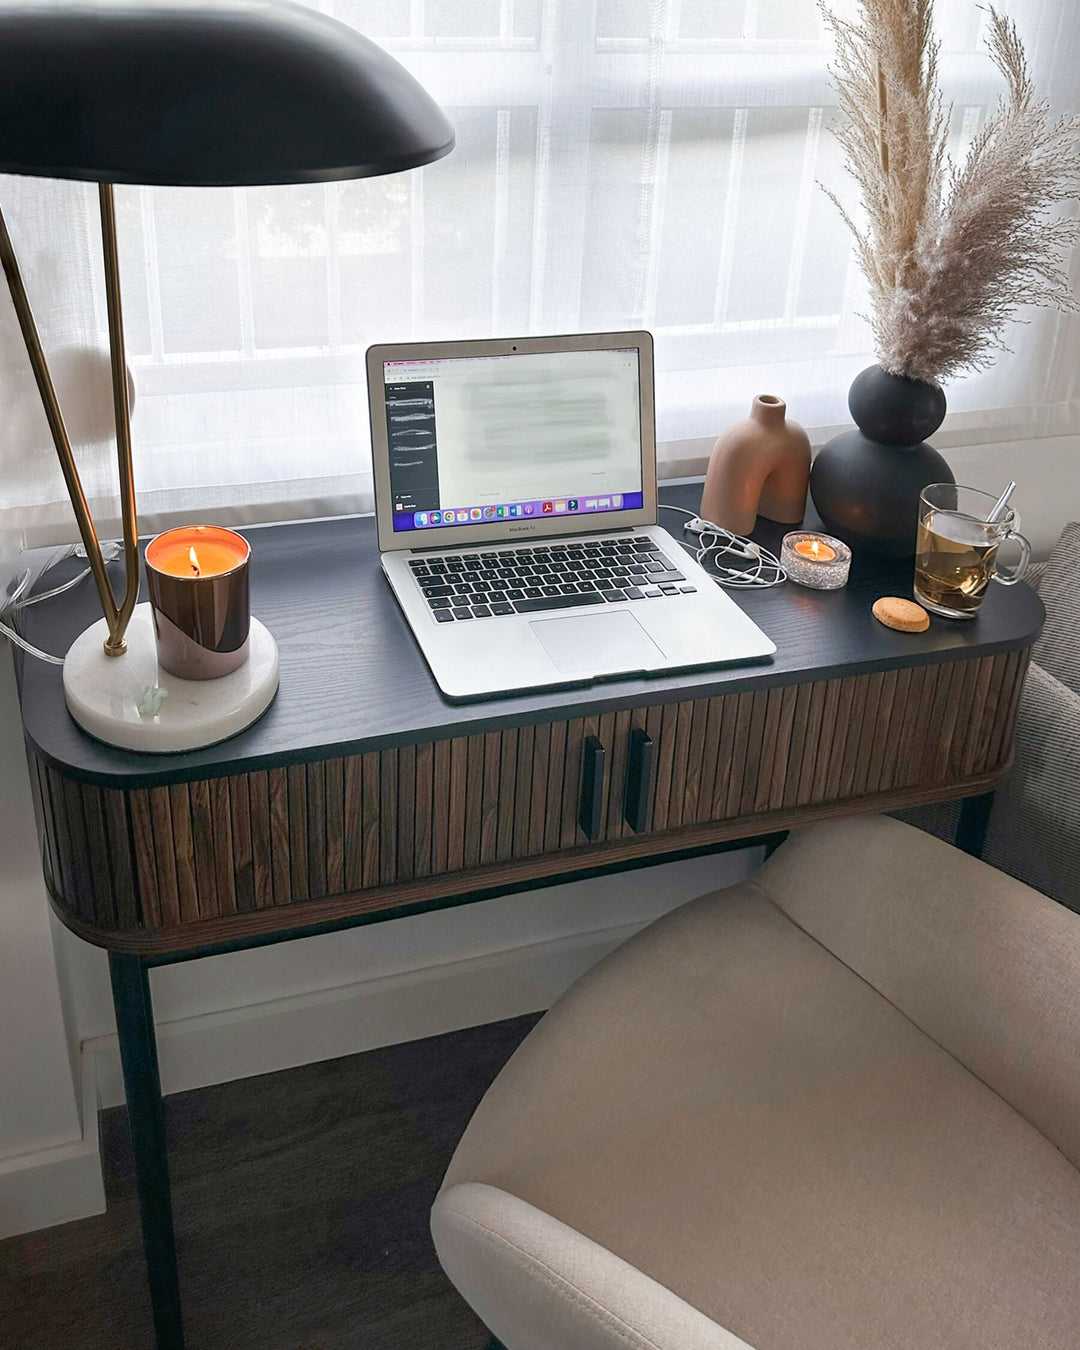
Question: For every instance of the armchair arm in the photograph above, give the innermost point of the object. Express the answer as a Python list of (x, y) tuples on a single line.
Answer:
[(537, 1283), (985, 966)]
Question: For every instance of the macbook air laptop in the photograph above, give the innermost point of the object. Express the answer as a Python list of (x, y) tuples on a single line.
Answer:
[(516, 499)]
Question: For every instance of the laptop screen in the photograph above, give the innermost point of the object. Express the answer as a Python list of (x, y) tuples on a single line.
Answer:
[(476, 440)]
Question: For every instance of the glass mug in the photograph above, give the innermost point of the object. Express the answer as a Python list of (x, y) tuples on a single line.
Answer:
[(956, 552)]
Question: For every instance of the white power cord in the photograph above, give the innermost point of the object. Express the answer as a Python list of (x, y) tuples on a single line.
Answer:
[(714, 543), (14, 605), (12, 636)]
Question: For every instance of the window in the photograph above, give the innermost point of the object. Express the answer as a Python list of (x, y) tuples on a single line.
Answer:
[(620, 163)]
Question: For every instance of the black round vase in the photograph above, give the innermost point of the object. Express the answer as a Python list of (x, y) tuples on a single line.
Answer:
[(866, 483)]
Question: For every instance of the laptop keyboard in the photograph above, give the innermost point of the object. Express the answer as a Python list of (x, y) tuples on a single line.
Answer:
[(460, 586)]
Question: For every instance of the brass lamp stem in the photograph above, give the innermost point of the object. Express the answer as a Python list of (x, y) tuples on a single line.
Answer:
[(129, 522), (116, 615)]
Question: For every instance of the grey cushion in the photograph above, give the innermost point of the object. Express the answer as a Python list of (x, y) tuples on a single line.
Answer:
[(1035, 826), (1034, 831), (1058, 649)]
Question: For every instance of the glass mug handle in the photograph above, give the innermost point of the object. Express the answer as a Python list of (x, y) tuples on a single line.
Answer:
[(1017, 573)]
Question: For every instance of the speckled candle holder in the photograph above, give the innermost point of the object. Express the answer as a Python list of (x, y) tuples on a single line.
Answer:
[(818, 574)]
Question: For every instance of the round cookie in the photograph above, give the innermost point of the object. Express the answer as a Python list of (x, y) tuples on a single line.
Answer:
[(904, 615)]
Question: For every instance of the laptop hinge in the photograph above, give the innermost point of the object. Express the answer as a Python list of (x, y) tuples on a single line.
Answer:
[(546, 539)]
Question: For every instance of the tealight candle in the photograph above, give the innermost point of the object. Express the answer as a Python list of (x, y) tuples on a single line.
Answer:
[(198, 579), (815, 560), (816, 550)]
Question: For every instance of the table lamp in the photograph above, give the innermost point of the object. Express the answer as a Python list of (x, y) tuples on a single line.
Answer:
[(211, 93)]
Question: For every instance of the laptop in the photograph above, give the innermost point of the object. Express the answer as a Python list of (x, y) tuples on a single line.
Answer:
[(516, 501)]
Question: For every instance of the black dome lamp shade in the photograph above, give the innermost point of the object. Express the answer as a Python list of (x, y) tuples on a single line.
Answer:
[(207, 92), (188, 93)]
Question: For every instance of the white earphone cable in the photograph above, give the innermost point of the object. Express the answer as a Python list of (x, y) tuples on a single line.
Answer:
[(715, 543)]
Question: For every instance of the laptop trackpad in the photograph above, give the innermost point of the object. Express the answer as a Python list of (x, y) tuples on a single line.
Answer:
[(614, 641)]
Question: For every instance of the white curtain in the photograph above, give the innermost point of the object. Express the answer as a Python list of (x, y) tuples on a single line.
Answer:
[(620, 163)]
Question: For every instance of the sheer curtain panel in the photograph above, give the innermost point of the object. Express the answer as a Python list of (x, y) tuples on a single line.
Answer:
[(620, 163)]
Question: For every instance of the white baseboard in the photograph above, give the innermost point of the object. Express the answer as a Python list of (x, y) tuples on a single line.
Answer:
[(282, 1033), (57, 1184)]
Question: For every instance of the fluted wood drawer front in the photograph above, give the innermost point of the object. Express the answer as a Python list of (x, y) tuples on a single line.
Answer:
[(166, 858), (750, 754), (169, 856)]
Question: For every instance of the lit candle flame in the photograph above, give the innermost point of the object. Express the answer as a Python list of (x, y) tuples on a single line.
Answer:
[(194, 561), (815, 550)]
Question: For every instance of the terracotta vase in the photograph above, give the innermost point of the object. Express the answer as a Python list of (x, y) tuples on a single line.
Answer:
[(758, 467)]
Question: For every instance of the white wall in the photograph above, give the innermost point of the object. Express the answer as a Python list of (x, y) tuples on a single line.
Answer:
[(253, 1012), (1047, 474), (257, 1011), (48, 1171)]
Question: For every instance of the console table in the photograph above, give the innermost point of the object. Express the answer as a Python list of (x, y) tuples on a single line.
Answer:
[(363, 795)]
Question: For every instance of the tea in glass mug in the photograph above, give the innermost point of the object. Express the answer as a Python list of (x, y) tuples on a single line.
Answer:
[(957, 549)]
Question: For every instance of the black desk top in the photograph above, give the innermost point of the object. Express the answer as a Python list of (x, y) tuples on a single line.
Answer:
[(353, 678)]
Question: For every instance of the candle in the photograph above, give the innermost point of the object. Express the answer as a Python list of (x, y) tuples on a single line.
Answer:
[(815, 560), (198, 579), (815, 549), (198, 551)]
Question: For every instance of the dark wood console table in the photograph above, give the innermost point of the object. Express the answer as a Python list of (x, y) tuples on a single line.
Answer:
[(363, 795)]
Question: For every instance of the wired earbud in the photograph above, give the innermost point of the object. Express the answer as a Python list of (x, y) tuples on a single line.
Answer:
[(716, 543)]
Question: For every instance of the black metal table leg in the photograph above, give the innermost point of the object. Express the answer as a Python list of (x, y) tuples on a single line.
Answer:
[(774, 841), (973, 823), (146, 1120)]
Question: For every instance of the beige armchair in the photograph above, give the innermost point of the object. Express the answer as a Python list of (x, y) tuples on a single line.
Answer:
[(836, 1107)]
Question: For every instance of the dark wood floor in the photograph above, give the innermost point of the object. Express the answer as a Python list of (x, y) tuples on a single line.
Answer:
[(301, 1203)]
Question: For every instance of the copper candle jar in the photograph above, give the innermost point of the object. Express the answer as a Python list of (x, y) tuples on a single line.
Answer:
[(198, 581)]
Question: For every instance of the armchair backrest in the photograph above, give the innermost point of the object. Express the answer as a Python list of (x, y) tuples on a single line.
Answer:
[(984, 965)]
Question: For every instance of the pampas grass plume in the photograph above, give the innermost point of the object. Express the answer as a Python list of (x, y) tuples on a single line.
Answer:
[(950, 253)]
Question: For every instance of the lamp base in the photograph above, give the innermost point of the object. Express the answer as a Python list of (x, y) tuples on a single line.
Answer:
[(131, 702)]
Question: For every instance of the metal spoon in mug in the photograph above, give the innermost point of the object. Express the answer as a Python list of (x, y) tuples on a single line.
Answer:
[(998, 508)]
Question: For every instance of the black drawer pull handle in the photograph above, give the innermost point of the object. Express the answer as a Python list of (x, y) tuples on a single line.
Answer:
[(593, 766), (639, 780)]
